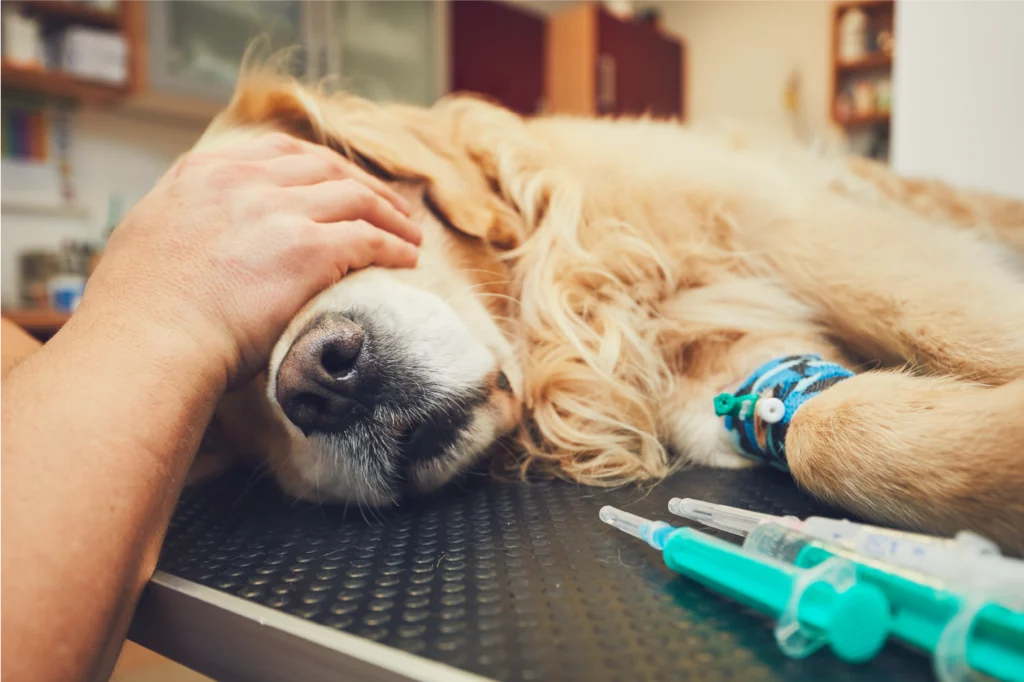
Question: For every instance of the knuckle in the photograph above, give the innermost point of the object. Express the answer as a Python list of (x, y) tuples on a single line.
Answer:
[(337, 164), (325, 154), (360, 198), (377, 241), (308, 235), (232, 173), (327, 166), (283, 142), (259, 204), (373, 236), (296, 240)]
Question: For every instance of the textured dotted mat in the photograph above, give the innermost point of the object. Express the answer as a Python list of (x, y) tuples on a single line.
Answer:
[(513, 582)]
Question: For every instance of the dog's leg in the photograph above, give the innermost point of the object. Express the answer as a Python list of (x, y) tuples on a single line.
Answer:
[(934, 453), (899, 288), (712, 338)]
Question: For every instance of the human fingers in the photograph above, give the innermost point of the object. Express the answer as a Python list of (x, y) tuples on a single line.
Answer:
[(357, 244), (346, 200), (293, 161), (318, 163)]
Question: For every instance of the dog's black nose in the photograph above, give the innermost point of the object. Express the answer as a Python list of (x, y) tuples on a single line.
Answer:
[(327, 373)]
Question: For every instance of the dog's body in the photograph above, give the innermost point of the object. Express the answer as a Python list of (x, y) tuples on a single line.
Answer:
[(587, 287)]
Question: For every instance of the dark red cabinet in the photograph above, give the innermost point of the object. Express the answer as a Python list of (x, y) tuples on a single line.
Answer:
[(498, 51), (600, 64)]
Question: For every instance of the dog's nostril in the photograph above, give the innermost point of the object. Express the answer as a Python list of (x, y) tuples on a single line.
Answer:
[(335, 362), (305, 407), (325, 374), (339, 354)]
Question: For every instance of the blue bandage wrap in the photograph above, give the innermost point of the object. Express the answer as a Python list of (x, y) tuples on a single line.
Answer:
[(794, 380)]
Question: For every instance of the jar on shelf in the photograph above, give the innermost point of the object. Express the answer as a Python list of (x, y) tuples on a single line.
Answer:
[(864, 98), (884, 42), (853, 27), (843, 106), (883, 95)]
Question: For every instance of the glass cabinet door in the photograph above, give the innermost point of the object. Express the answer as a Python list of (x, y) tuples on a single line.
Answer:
[(385, 50), (196, 48)]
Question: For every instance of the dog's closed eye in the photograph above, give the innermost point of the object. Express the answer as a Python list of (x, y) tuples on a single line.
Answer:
[(502, 382)]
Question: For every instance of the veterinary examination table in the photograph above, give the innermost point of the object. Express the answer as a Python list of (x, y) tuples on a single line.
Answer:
[(488, 579)]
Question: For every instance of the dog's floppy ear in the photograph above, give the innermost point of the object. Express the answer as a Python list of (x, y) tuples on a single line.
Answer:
[(392, 141)]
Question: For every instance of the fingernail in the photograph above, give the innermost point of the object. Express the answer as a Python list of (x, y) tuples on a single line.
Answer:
[(404, 206)]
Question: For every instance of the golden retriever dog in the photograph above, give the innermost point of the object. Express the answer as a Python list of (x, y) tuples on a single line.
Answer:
[(587, 287)]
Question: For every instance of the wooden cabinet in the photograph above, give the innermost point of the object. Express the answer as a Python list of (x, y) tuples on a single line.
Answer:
[(600, 64), (498, 51)]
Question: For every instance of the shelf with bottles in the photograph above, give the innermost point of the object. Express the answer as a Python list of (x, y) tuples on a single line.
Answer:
[(863, 101), (862, 58), (97, 14), (67, 49)]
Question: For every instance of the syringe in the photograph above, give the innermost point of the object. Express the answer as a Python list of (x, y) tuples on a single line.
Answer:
[(963, 629), (822, 605), (945, 558)]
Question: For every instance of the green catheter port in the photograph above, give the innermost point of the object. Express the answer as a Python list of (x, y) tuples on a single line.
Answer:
[(727, 404)]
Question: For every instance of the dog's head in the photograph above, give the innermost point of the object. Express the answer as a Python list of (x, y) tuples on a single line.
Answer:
[(390, 381)]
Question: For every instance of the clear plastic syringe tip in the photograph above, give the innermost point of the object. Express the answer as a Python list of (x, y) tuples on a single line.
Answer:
[(729, 519), (637, 526)]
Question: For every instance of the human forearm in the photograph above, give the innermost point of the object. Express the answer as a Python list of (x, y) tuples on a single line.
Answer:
[(100, 425), (15, 346), (81, 532)]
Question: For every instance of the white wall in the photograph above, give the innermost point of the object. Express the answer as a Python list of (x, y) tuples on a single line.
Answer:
[(111, 152), (958, 93), (740, 54)]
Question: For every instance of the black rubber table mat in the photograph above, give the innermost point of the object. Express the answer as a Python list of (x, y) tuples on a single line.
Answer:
[(510, 581)]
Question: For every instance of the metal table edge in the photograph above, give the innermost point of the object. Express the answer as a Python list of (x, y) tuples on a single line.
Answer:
[(229, 638)]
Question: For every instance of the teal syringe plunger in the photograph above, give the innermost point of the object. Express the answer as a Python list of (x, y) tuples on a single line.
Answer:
[(813, 607)]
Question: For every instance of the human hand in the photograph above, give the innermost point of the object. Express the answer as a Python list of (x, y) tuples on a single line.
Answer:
[(229, 245)]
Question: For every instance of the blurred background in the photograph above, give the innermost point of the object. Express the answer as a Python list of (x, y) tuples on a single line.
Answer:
[(100, 97)]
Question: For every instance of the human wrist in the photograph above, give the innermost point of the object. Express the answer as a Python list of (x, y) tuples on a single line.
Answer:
[(167, 344)]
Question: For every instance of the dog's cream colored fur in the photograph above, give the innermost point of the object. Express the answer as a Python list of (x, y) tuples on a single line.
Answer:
[(638, 268)]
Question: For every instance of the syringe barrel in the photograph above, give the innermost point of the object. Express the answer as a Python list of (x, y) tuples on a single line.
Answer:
[(927, 553), (724, 567), (905, 549), (776, 541), (852, 618)]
